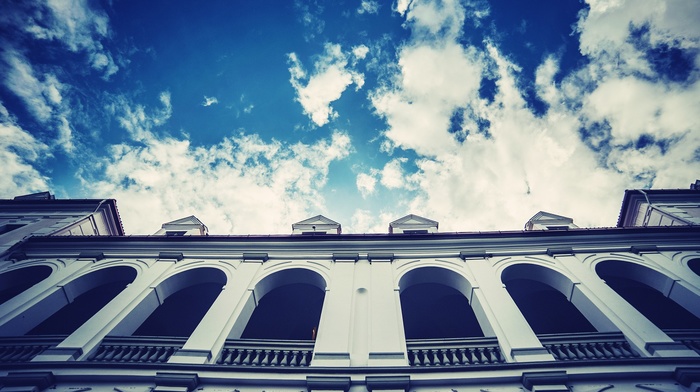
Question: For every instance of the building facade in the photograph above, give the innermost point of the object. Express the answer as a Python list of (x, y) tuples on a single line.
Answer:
[(551, 308)]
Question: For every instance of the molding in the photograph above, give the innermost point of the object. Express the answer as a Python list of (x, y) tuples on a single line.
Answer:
[(563, 251), (166, 381), (376, 256), (474, 255), (532, 380), (91, 255), (177, 256), (377, 383), (34, 380), (346, 257), (255, 257), (640, 249), (316, 383), (687, 375)]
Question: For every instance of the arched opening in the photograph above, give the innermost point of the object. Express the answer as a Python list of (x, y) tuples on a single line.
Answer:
[(434, 305), (694, 266), (186, 298), (288, 306), (91, 293), (539, 294), (652, 293), (19, 280)]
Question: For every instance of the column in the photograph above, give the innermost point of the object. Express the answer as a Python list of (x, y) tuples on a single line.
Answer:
[(387, 341), (87, 338), (28, 309), (517, 340), (641, 333), (225, 318), (332, 346)]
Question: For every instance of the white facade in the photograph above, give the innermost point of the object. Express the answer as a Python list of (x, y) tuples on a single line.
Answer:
[(580, 309)]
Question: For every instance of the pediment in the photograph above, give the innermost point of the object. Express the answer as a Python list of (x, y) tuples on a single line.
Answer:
[(318, 224), (413, 222), (544, 216), (190, 220)]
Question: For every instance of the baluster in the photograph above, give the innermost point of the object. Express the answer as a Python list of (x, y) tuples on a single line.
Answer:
[(497, 354), (578, 351), (597, 351), (245, 357), (5, 352), (237, 358), (615, 349), (120, 352), (128, 353), (488, 355), (153, 354), (166, 354), (111, 352), (274, 357), (627, 350), (305, 358), (254, 359), (100, 354), (284, 358), (420, 358), (17, 355)]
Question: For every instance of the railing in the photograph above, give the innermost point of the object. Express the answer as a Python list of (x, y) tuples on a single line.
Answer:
[(587, 346), (689, 337), (145, 349), (281, 353), (25, 348), (453, 352)]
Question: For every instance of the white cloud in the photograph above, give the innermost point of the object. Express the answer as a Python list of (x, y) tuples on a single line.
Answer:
[(392, 176), (42, 94), (77, 25), (369, 7), (208, 101), (366, 183), (162, 178), (510, 162), (19, 152), (329, 80)]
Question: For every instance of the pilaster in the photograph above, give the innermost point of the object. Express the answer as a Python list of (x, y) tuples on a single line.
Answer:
[(515, 336)]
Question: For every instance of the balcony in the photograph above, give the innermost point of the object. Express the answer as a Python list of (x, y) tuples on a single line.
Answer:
[(588, 346), (453, 352), (271, 353), (25, 348), (137, 349)]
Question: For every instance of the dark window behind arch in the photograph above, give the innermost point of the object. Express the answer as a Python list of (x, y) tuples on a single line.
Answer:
[(181, 312), (640, 286), (17, 281), (111, 281), (538, 293), (546, 309), (433, 311), (290, 312), (694, 265)]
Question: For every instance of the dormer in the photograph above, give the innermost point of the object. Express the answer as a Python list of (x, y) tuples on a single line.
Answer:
[(661, 207), (413, 224), (184, 226), (548, 221), (317, 225)]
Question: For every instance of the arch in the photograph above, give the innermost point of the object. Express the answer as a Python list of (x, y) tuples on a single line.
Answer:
[(549, 300), (285, 304), (178, 303), (18, 280), (694, 265), (664, 301), (81, 298), (435, 304)]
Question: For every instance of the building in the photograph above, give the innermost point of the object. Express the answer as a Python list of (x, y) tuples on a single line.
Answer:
[(551, 308)]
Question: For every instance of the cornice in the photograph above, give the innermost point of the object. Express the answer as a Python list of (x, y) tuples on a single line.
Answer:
[(400, 245)]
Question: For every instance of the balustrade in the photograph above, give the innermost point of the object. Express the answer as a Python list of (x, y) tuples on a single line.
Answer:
[(588, 346), (453, 352), (266, 353), (25, 348), (689, 337), (137, 349)]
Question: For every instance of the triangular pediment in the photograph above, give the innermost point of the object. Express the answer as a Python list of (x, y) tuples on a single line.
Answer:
[(413, 223), (190, 220), (317, 220), (544, 220), (318, 224)]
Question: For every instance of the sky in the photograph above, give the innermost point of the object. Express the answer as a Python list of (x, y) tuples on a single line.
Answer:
[(253, 115)]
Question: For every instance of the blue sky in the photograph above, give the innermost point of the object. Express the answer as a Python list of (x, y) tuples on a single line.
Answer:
[(253, 115)]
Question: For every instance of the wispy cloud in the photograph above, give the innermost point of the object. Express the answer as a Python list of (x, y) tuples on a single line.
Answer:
[(208, 101), (163, 177), (330, 78), (42, 95), (489, 163), (19, 153), (368, 7)]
